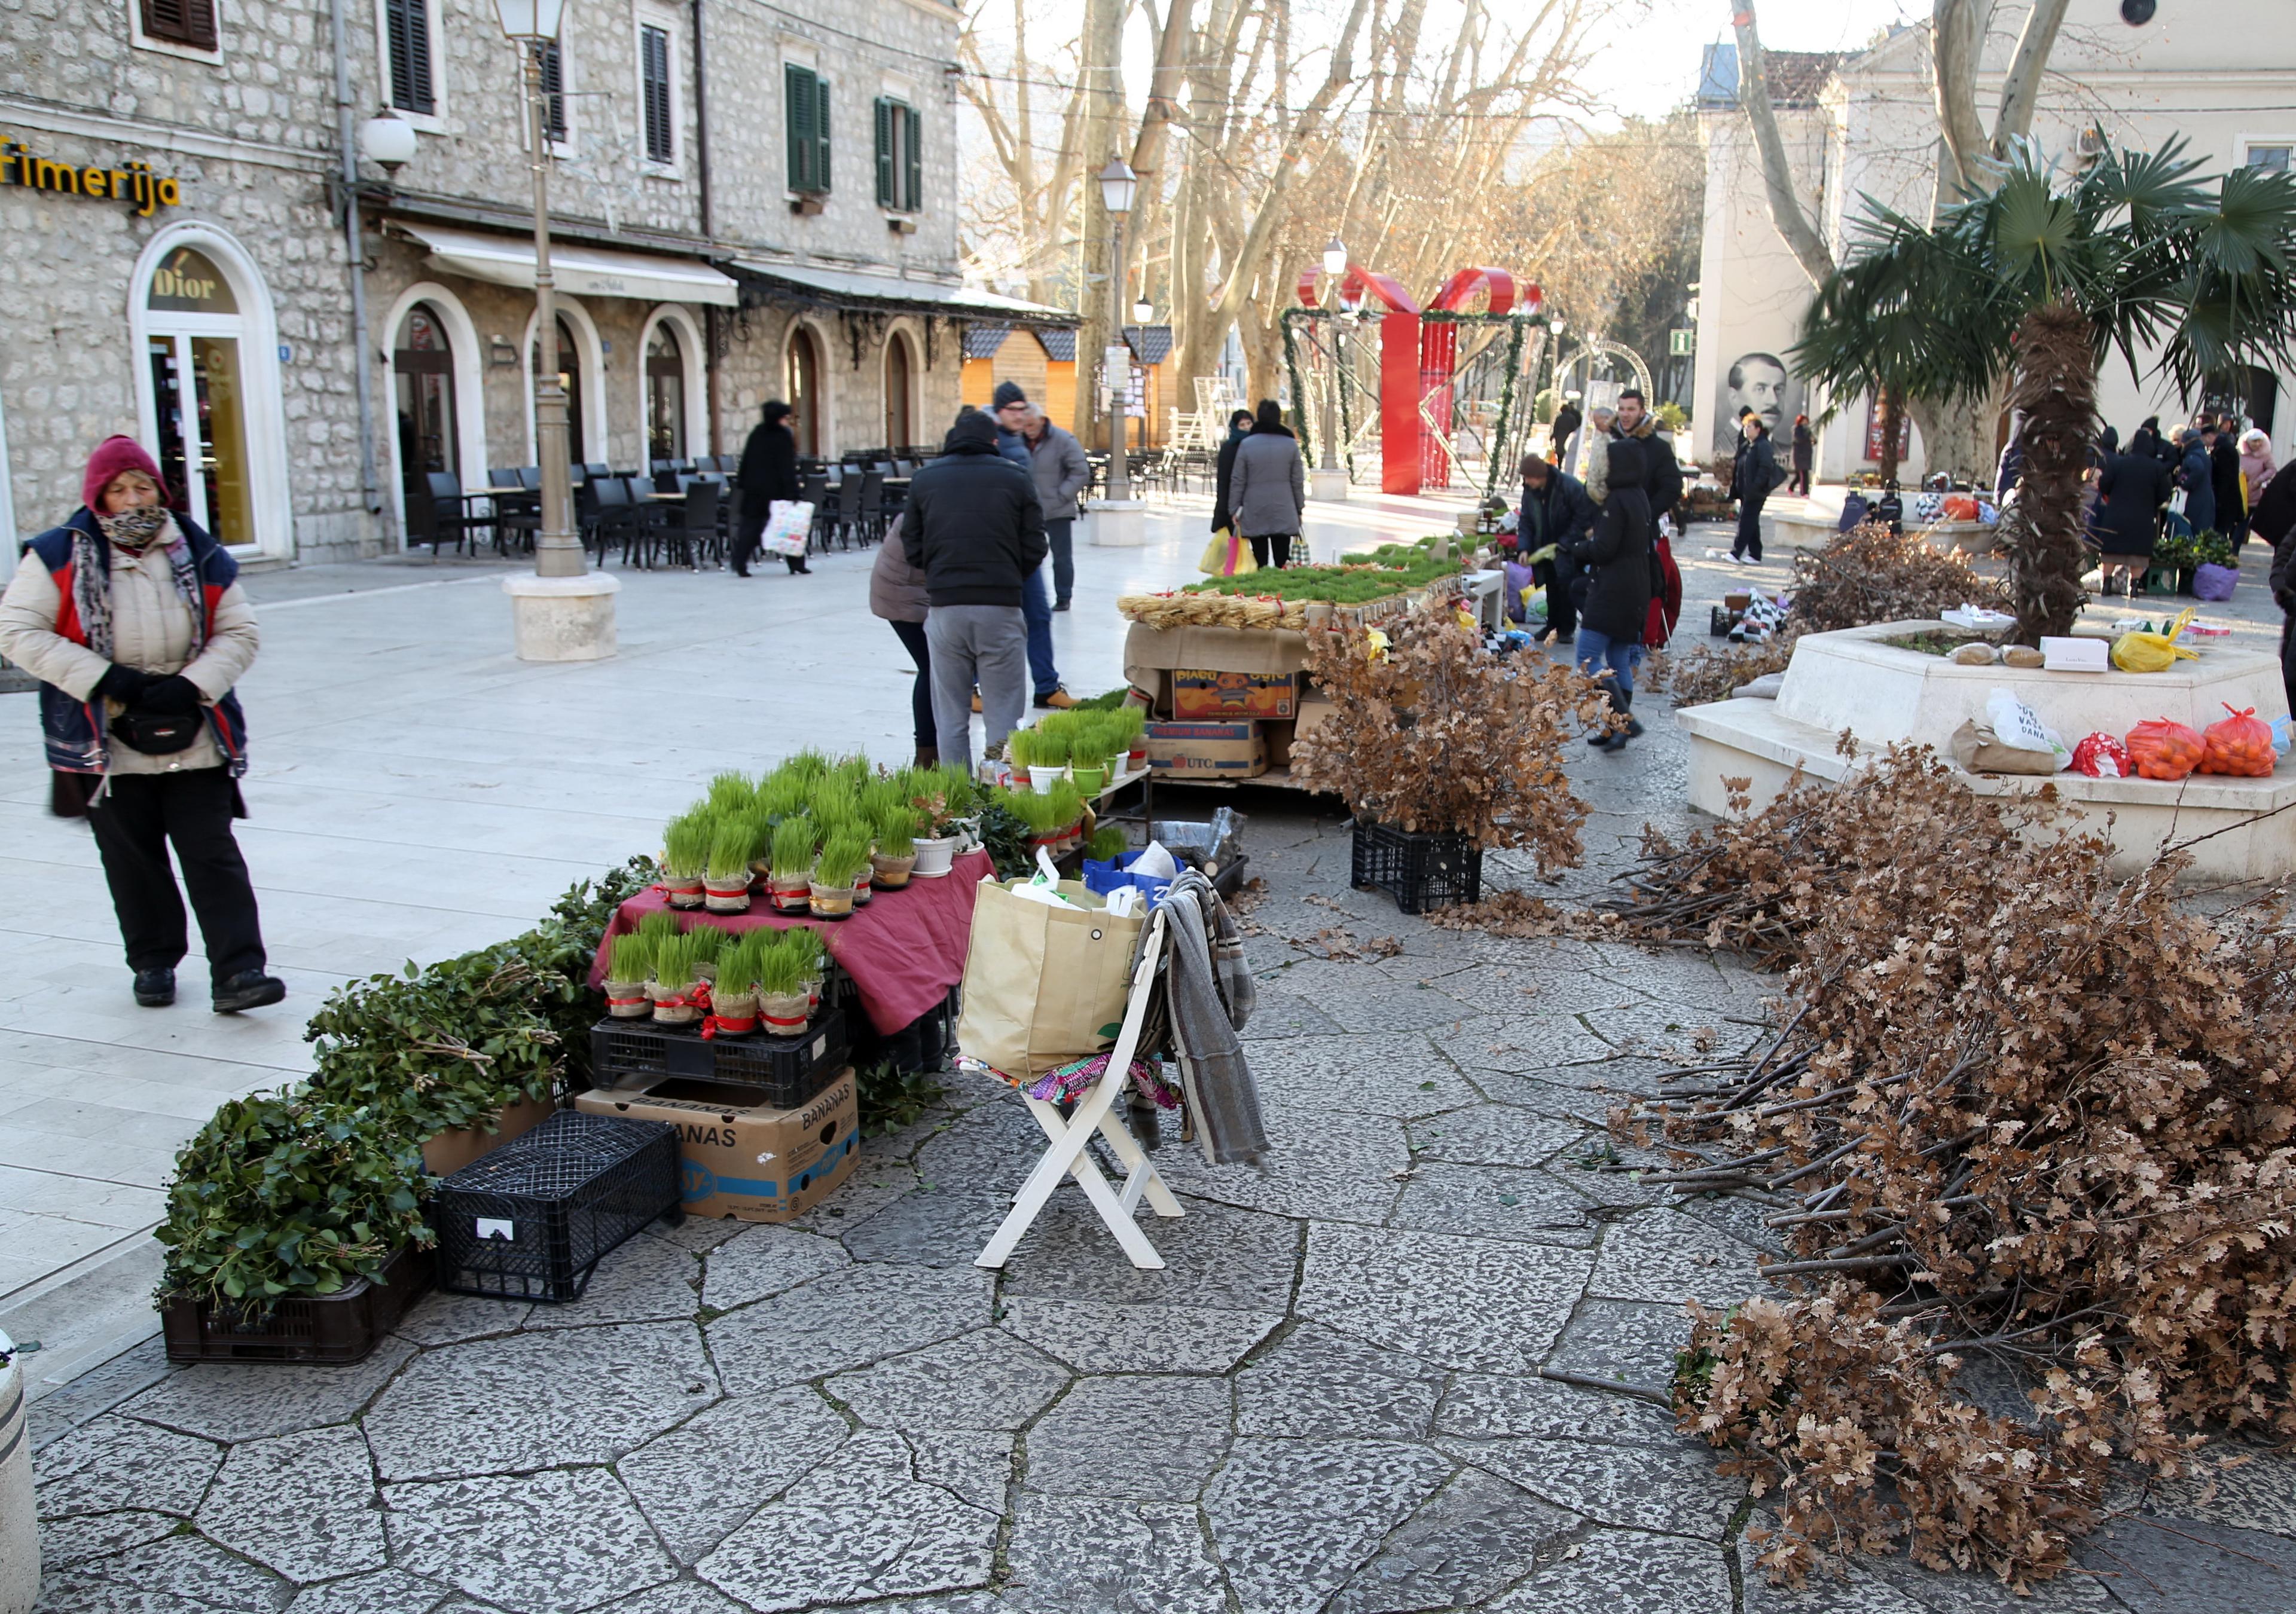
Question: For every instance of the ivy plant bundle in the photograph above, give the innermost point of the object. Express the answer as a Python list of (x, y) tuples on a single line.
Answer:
[(1435, 734)]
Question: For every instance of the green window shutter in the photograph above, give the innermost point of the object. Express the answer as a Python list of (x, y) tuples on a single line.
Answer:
[(796, 105), (912, 192), (885, 194), (821, 148)]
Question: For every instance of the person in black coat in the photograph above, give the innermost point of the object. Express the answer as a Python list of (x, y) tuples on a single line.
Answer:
[(1805, 457), (2273, 519), (2224, 476), (1617, 556), (768, 475), (1556, 511), (2131, 489), (2147, 441), (1567, 420), (1239, 427), (1757, 475)]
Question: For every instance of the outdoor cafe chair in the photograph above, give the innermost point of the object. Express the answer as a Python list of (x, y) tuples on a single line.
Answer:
[(437, 513)]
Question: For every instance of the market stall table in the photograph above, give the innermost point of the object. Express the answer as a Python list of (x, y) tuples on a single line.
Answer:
[(905, 950)]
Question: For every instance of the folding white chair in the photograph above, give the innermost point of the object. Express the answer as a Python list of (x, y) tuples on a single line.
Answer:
[(1095, 1112)]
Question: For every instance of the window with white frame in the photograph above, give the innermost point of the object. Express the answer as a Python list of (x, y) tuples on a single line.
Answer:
[(900, 166), (178, 28), (407, 56), (658, 113), (2273, 156)]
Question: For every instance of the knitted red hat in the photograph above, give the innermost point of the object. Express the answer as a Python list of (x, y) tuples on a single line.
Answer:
[(113, 455)]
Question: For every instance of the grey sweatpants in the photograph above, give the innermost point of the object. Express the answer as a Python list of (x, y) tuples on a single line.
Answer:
[(983, 644)]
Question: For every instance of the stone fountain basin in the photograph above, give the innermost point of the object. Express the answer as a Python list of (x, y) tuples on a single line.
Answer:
[(1883, 694)]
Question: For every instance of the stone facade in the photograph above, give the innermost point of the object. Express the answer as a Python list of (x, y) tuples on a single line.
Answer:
[(249, 132)]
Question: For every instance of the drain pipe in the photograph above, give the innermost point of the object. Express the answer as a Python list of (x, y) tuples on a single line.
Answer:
[(709, 314), (370, 492)]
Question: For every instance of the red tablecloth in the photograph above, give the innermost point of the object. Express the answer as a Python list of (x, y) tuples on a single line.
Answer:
[(904, 950)]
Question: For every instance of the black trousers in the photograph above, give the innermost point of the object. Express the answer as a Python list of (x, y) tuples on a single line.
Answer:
[(1562, 609), (913, 640), (1748, 544), (1280, 544), (137, 817), (746, 548)]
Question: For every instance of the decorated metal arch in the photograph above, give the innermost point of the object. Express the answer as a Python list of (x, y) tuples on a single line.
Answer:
[(1398, 365), (1447, 414)]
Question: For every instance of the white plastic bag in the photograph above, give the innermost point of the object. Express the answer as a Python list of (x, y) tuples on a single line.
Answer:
[(789, 526), (2018, 726)]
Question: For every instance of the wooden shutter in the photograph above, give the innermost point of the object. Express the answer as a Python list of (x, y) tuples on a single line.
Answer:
[(913, 187), (886, 196), (654, 70), (796, 106), (553, 89), (821, 145), (407, 24), (191, 22)]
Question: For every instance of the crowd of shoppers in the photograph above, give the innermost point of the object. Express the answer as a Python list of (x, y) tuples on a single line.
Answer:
[(2209, 476)]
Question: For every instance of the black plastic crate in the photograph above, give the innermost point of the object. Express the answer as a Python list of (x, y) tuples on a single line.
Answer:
[(530, 1221), (344, 1326), (1420, 868), (787, 1072)]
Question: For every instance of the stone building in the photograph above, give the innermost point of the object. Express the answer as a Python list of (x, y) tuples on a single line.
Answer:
[(749, 201)]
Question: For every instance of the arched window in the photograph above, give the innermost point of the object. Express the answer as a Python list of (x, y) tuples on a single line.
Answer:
[(665, 383), (569, 381), (423, 364), (900, 423), (804, 383), (193, 333)]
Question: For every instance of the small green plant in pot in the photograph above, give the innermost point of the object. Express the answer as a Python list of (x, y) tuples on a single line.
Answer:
[(813, 961), (629, 960), (783, 1003), (675, 988), (734, 997), (844, 859), (896, 857), (686, 857), (709, 943), (1049, 758), (794, 848), (726, 877), (1067, 815)]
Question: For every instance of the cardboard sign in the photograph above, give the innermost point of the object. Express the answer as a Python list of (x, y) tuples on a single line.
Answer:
[(737, 1158), (1209, 693), (1206, 750)]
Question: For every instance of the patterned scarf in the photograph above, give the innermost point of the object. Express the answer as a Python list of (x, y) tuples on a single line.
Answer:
[(133, 531)]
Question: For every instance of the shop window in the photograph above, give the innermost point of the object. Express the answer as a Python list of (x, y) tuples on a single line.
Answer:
[(900, 166), (553, 89), (805, 105), (199, 393), (423, 366), (406, 30), (186, 22), (653, 78), (803, 376), (665, 374)]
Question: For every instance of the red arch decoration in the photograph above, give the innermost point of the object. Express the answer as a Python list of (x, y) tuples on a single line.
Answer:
[(1399, 370), (1439, 356)]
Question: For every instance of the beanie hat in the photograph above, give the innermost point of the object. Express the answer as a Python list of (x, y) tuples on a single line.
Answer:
[(113, 455), (972, 428), (1006, 393)]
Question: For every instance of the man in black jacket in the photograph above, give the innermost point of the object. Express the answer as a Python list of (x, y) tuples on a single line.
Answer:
[(1635, 421), (1557, 512), (974, 527), (1758, 474)]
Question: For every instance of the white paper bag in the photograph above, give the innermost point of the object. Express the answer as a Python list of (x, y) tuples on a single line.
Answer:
[(788, 525)]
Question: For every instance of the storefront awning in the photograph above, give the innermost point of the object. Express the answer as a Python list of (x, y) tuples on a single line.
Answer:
[(847, 288), (507, 261)]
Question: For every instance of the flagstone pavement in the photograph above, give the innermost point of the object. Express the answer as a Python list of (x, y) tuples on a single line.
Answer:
[(1362, 1384)]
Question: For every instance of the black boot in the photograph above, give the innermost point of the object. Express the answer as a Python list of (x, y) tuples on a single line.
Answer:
[(1622, 703)]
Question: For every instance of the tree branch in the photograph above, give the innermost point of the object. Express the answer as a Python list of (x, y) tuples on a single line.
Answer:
[(1794, 225)]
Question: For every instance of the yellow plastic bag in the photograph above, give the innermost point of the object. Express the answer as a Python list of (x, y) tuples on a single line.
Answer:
[(1226, 556), (2153, 653)]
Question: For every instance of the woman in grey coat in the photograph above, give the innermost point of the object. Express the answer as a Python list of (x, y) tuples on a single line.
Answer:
[(1269, 492)]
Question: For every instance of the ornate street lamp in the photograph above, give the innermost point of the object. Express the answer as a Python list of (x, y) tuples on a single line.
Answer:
[(1117, 187)]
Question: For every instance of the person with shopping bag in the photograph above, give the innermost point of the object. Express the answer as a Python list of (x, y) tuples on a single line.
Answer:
[(768, 477)]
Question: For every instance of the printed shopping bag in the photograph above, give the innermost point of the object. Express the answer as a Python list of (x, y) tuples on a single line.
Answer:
[(788, 525), (1045, 986), (1226, 556)]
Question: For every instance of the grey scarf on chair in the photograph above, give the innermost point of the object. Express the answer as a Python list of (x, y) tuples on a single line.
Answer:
[(1208, 998)]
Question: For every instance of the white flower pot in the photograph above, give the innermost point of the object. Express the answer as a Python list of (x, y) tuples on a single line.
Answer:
[(1042, 779), (934, 856)]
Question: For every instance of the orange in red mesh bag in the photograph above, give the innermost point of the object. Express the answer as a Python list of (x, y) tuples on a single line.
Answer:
[(2163, 750), (2240, 746)]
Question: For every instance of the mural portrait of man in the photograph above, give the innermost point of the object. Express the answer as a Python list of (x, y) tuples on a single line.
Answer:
[(1757, 382)]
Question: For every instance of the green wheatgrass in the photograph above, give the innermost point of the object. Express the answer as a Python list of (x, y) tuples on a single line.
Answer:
[(659, 923), (843, 856), (630, 957), (896, 833), (685, 845), (729, 849), (794, 845), (782, 968), (675, 962)]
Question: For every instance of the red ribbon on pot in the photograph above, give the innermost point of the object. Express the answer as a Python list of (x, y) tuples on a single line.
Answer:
[(732, 1027)]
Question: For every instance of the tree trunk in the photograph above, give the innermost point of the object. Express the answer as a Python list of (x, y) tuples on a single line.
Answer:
[(2054, 391), (1957, 436)]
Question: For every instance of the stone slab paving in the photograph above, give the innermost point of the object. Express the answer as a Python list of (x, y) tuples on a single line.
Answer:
[(1331, 1400)]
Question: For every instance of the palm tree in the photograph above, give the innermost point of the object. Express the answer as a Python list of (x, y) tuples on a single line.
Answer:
[(2043, 276)]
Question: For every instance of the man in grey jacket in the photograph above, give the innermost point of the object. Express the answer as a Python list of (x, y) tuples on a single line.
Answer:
[(1056, 460)]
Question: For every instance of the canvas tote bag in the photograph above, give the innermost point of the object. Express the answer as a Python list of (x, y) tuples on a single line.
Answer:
[(1044, 986), (788, 527)]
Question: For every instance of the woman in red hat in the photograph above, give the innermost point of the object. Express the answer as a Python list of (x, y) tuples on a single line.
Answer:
[(134, 621)]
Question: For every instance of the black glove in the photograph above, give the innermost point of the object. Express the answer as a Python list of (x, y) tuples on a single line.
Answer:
[(125, 684), (170, 696)]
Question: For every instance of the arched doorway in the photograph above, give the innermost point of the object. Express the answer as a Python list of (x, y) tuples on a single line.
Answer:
[(665, 384), (193, 336), (423, 366), (569, 381), (900, 421), (802, 377)]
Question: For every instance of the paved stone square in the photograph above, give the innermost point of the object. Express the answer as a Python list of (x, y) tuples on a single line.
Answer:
[(1339, 1395)]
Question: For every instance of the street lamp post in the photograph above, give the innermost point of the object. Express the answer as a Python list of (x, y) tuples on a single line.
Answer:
[(1329, 480), (1117, 519), (563, 612)]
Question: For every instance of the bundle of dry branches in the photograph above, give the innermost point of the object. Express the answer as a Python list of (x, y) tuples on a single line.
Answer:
[(1708, 673), (1436, 733), (1870, 575), (2020, 1106)]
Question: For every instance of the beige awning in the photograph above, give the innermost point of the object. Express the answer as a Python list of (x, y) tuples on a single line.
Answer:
[(508, 260)]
